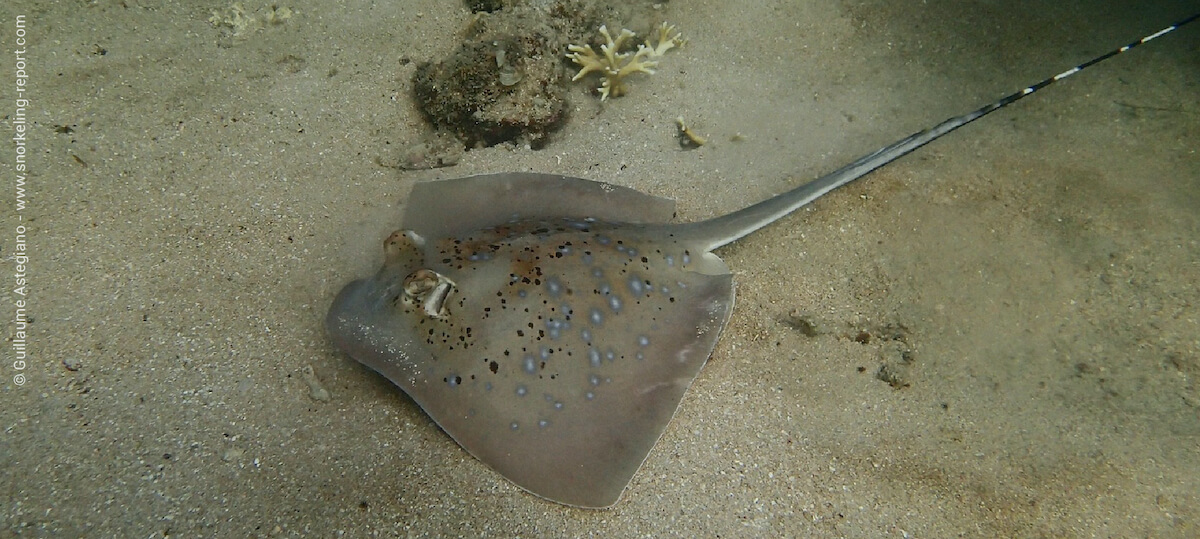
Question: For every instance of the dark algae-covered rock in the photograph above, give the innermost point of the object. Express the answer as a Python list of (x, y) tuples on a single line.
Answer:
[(493, 89), (503, 82)]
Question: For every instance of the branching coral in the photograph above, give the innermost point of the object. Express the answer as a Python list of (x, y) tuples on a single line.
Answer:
[(614, 65)]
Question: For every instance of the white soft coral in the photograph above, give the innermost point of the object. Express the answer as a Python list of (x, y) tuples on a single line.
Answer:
[(614, 65)]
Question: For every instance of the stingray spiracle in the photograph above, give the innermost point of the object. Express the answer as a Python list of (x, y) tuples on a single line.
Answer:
[(431, 289)]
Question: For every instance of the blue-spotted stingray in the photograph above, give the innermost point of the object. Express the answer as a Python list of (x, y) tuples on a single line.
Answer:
[(552, 325)]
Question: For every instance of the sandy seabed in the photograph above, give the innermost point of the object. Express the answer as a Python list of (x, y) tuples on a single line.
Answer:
[(999, 332)]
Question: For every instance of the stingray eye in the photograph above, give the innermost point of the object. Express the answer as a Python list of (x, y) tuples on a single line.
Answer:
[(431, 289)]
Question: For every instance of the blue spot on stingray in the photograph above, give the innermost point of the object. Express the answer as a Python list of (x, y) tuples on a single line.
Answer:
[(643, 340), (521, 391), (596, 317), (542, 423), (636, 286), (554, 328), (530, 367), (594, 357), (586, 335), (554, 287), (615, 303)]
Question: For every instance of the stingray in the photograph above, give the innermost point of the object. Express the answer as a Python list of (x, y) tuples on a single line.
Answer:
[(551, 325)]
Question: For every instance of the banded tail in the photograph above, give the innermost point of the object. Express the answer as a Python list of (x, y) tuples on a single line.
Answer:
[(723, 230)]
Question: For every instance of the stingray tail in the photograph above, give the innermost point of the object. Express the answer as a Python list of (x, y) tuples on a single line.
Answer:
[(722, 230)]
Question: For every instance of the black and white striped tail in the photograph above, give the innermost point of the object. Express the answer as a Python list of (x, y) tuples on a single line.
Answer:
[(728, 228), (1018, 95)]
